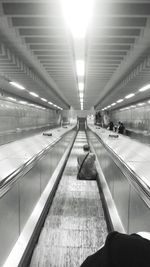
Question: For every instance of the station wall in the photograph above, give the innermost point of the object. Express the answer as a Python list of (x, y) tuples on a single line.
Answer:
[(137, 118), (72, 114), (18, 120)]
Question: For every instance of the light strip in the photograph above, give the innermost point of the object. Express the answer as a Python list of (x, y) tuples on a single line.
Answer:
[(81, 95), (77, 14), (33, 94), (80, 67), (119, 100), (43, 99), (17, 85), (22, 102), (140, 104), (129, 96), (11, 98), (133, 106), (113, 104), (144, 88), (81, 87)]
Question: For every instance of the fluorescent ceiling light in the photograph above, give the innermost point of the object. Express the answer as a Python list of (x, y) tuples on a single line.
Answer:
[(119, 100), (144, 88), (17, 85), (133, 106), (11, 98), (81, 95), (33, 94), (43, 99), (50, 103), (140, 104), (22, 102), (80, 67), (77, 14), (81, 87), (129, 96), (113, 104), (124, 108)]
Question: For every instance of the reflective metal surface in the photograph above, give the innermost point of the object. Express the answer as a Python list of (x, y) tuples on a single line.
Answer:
[(128, 187), (9, 222), (18, 120), (22, 246), (21, 188), (17, 156)]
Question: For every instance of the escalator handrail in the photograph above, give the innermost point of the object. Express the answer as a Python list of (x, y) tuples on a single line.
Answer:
[(7, 183), (139, 184)]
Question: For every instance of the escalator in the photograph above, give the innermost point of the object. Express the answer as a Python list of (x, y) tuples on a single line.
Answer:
[(75, 226)]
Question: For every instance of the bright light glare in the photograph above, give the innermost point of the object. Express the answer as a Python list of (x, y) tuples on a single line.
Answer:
[(17, 85), (119, 101), (81, 95), (113, 104), (50, 103), (80, 67), (43, 99), (133, 106), (129, 96), (81, 87), (141, 104), (22, 102), (33, 94), (77, 14), (11, 98), (146, 87)]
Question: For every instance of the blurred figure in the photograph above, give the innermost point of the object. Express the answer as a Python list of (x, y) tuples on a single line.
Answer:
[(111, 126), (86, 165), (121, 128), (121, 250)]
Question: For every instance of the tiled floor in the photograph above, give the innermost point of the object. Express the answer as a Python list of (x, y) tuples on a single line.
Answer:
[(75, 226)]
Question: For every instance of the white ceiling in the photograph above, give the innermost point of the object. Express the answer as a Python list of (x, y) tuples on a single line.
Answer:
[(37, 50)]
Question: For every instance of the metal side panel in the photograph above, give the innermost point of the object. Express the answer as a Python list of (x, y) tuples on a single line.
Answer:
[(22, 249), (139, 213), (29, 193), (9, 222)]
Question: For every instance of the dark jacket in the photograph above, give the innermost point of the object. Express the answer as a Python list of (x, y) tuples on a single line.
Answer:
[(121, 250), (121, 128)]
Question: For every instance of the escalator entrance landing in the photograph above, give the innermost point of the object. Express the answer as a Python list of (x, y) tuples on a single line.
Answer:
[(75, 226)]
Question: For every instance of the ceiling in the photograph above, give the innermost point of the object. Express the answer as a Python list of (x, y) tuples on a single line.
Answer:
[(37, 50)]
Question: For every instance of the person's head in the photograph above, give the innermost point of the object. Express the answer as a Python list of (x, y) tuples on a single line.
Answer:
[(86, 147)]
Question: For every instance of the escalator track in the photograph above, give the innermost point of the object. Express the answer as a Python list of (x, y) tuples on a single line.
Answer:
[(75, 226)]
